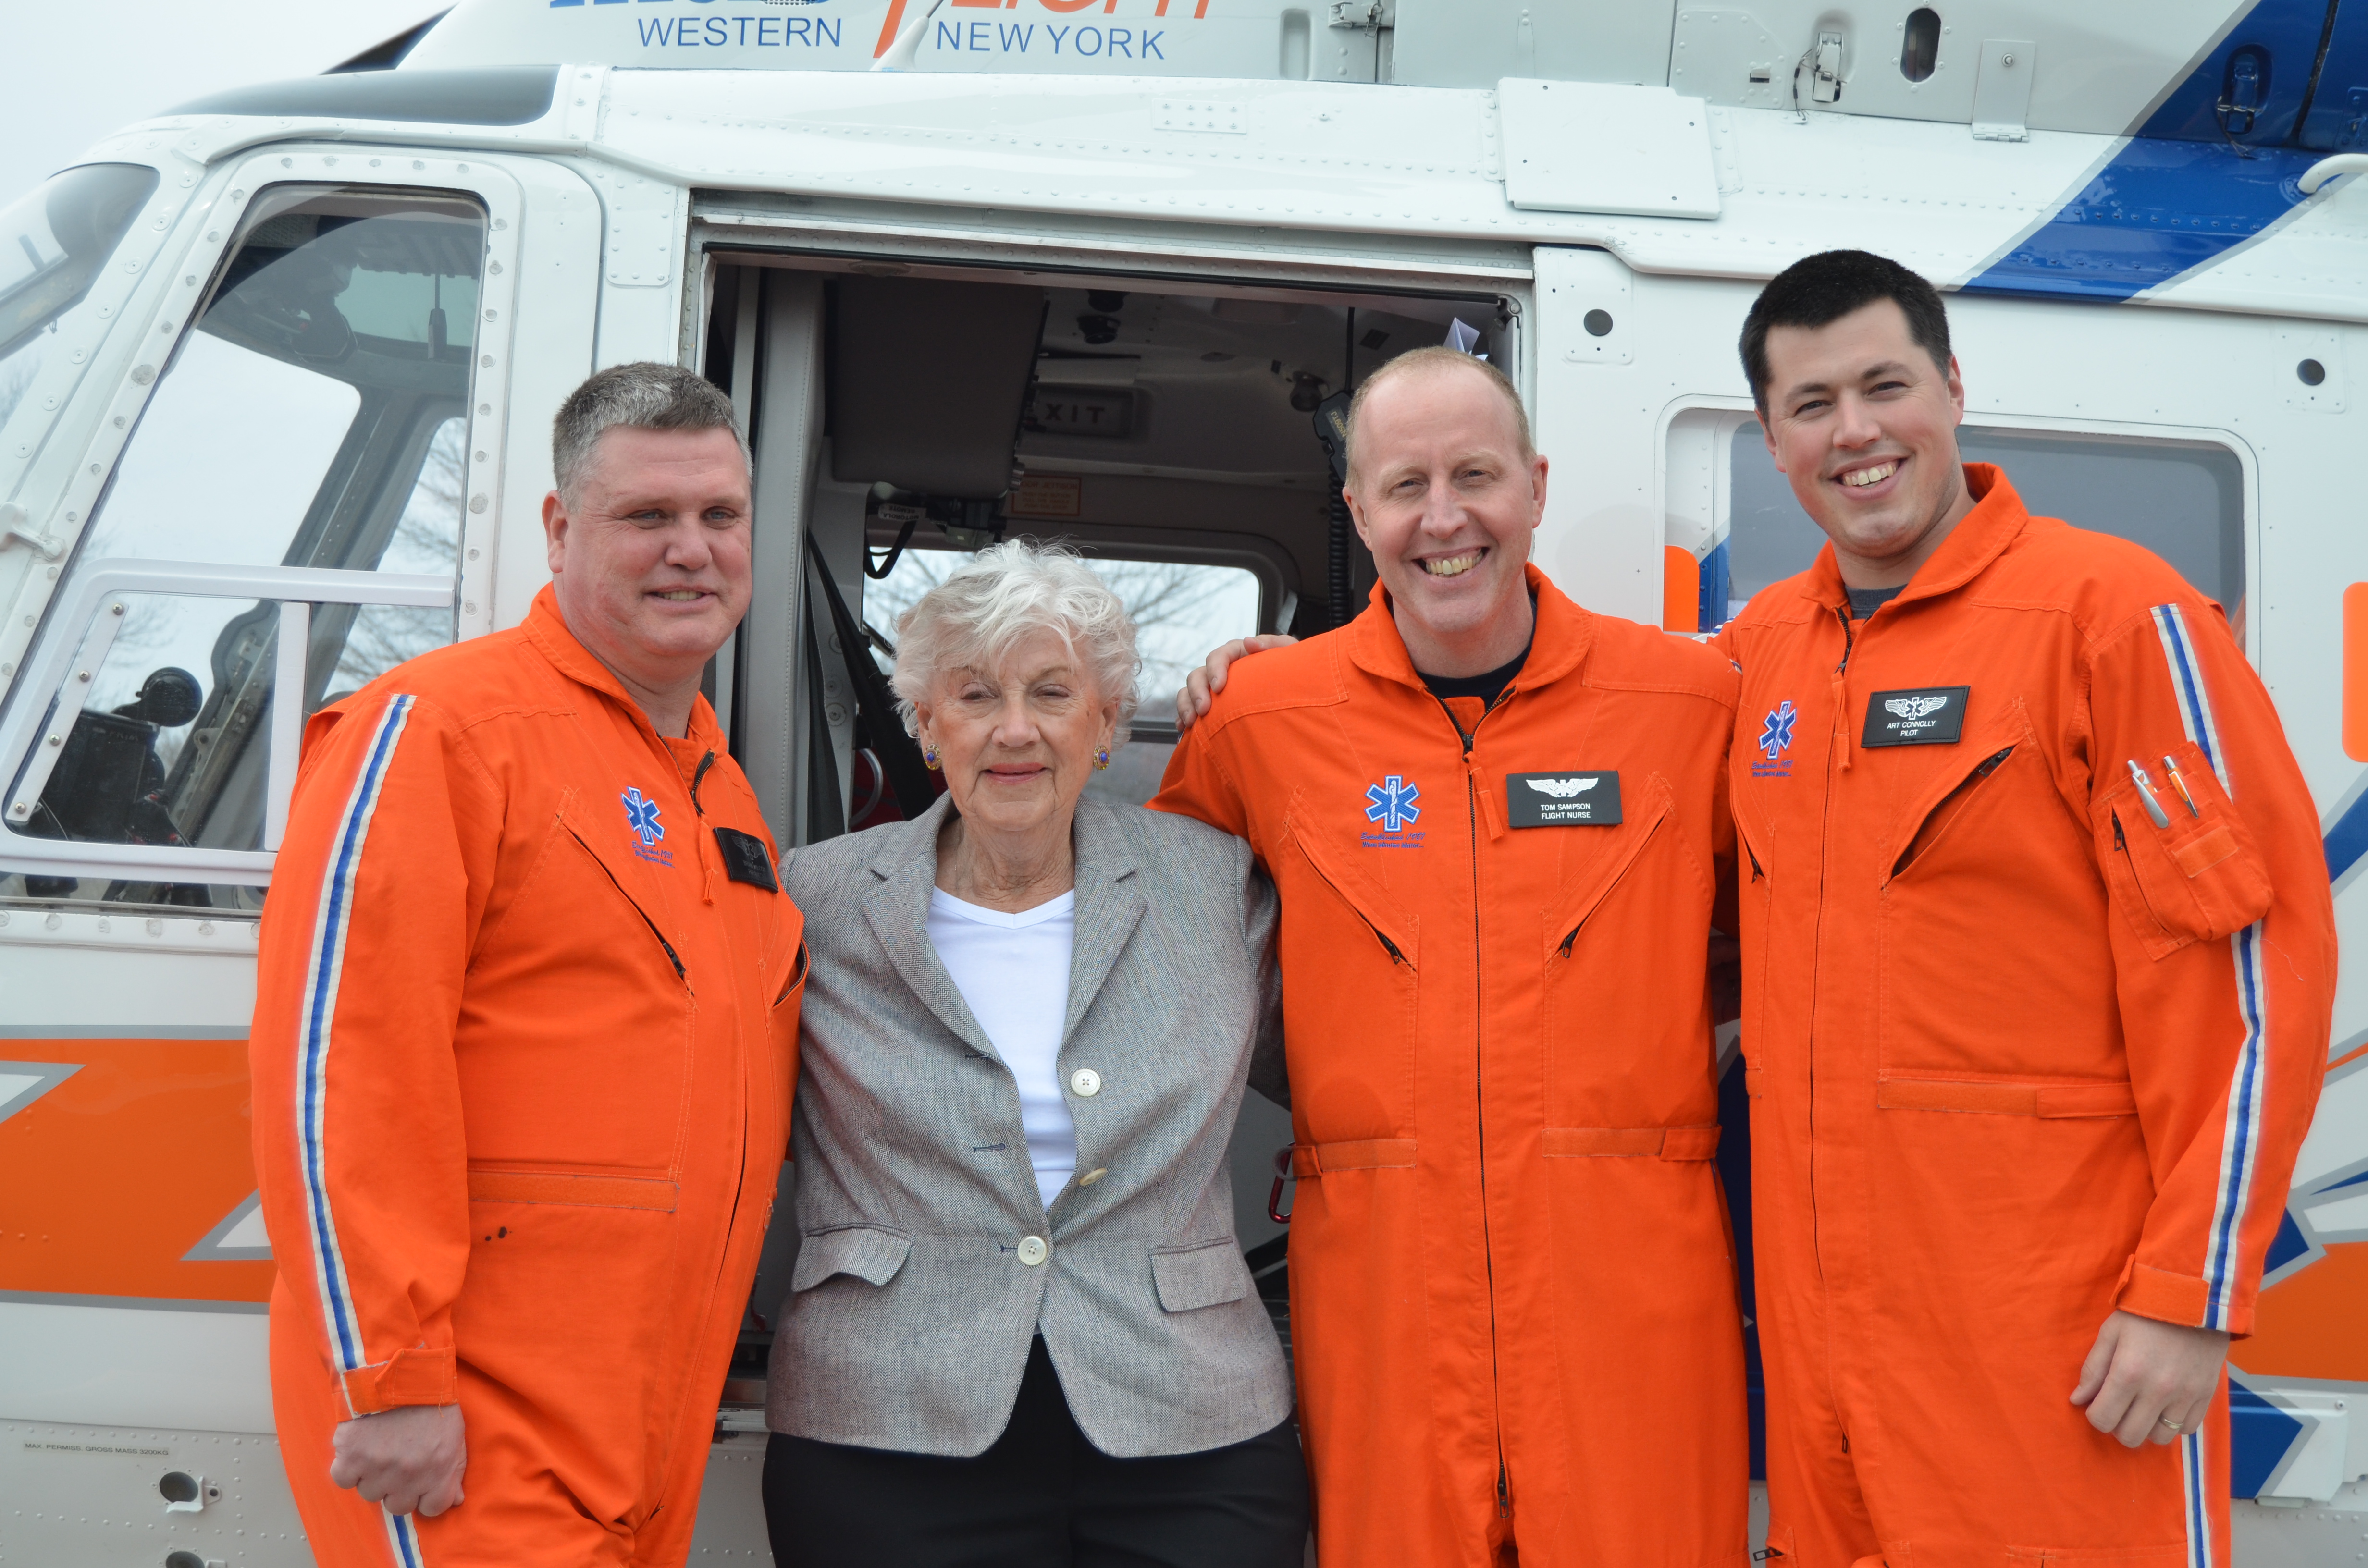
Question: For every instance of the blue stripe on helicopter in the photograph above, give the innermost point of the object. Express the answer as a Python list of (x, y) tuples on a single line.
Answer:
[(2259, 1435), (2347, 841), (2180, 194), (2156, 211)]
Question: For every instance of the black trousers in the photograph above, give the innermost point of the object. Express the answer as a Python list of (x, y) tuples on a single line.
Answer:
[(1042, 1497)]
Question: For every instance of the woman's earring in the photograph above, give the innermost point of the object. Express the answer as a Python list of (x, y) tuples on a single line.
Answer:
[(929, 758), (1101, 759)]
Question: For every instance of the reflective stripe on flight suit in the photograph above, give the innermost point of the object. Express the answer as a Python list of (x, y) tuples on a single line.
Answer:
[(2028, 1036), (524, 1041), (1513, 1302)]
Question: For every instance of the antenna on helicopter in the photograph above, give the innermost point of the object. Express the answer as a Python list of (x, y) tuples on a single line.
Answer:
[(901, 53)]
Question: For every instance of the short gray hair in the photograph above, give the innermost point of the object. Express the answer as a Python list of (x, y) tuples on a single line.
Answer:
[(647, 396), (1000, 597)]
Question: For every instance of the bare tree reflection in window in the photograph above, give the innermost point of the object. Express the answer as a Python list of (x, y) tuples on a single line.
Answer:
[(1180, 609), (427, 541)]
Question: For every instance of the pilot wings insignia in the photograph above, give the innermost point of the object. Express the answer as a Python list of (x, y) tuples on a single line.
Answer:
[(1918, 716), (1561, 788)]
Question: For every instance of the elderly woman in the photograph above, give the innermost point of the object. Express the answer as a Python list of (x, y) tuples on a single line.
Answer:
[(1019, 1330)]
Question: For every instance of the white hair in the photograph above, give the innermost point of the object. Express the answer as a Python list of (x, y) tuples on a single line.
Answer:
[(997, 599)]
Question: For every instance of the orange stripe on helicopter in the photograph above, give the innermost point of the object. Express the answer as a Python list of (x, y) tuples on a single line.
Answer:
[(2310, 1325), (110, 1179), (894, 20)]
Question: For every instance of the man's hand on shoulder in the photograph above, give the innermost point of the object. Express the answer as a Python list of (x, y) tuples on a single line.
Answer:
[(409, 1457), (1202, 684), (2145, 1379)]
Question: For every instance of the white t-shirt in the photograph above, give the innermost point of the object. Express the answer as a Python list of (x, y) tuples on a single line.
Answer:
[(1013, 969)]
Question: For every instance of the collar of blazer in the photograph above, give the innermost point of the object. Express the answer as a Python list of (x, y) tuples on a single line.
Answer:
[(1108, 908)]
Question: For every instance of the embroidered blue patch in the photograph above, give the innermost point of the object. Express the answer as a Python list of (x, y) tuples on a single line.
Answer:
[(642, 816), (1775, 740), (1393, 803)]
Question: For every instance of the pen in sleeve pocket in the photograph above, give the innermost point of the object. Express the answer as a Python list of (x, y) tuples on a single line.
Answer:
[(2145, 793)]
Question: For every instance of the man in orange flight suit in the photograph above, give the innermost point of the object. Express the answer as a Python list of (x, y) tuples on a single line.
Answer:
[(1498, 823), (2038, 963), (524, 1041)]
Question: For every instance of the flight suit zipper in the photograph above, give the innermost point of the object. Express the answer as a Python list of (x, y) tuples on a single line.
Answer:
[(1840, 729), (1480, 1087), (747, 1089)]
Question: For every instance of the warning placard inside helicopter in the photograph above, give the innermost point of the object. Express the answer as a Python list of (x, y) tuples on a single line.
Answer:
[(1048, 495)]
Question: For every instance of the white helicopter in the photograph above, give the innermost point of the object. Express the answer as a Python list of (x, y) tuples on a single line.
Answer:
[(277, 370)]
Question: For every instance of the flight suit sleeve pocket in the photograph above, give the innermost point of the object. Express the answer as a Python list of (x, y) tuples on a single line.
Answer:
[(871, 1253), (2197, 879), (1208, 1274)]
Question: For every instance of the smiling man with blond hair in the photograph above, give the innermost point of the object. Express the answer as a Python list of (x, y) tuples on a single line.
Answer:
[(1496, 822)]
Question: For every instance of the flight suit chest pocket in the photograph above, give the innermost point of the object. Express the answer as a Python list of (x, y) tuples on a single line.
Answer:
[(1391, 928), (794, 985), (1618, 850), (782, 1025), (1634, 902), (647, 905), (1350, 1012), (1976, 798), (578, 1027), (2197, 874)]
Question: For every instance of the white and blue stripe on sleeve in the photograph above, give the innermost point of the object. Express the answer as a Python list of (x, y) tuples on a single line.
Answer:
[(324, 967), (333, 924), (2241, 1136)]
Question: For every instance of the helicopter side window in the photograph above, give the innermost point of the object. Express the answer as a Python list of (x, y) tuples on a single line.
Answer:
[(283, 527), (53, 242), (1735, 514)]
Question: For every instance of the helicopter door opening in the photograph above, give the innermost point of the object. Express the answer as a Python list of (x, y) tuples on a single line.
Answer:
[(906, 415)]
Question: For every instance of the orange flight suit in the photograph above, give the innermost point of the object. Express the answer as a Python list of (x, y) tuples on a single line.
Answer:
[(1512, 1288), (524, 1041), (2019, 1051)]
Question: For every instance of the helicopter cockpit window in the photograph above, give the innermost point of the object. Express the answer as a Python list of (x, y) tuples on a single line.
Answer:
[(53, 241), (298, 473)]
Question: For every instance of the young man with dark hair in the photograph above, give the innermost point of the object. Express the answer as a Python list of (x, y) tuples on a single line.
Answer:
[(2039, 961)]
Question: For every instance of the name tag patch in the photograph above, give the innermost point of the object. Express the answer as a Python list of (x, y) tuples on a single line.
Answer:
[(1576, 798), (745, 859), (1925, 716)]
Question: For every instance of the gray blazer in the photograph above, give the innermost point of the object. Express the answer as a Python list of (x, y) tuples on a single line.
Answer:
[(913, 1303)]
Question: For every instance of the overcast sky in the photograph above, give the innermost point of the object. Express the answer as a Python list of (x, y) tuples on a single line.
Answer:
[(71, 74)]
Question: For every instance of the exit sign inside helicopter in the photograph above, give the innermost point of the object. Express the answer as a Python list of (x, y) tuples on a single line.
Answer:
[(1107, 412)]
